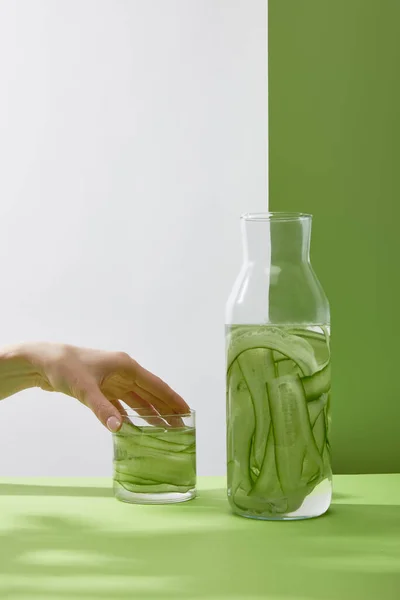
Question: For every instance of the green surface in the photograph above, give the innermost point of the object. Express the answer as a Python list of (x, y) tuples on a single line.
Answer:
[(334, 151), (69, 538)]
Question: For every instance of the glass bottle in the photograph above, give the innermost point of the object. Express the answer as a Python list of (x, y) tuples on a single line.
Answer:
[(278, 375)]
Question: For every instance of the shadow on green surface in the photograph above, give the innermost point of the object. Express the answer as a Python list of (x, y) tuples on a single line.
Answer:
[(340, 496), (20, 489), (350, 553), (207, 499)]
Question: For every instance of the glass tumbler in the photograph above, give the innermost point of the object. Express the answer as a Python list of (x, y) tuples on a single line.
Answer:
[(155, 459)]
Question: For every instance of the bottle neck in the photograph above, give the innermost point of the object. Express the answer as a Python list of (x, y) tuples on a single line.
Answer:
[(276, 241)]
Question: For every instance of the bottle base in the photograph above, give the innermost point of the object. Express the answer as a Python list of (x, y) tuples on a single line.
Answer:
[(314, 505)]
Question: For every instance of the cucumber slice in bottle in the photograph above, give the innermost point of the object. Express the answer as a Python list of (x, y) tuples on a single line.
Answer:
[(240, 431), (278, 384)]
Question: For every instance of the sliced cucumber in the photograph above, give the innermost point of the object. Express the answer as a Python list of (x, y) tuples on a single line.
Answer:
[(257, 367), (241, 429), (293, 434), (293, 347), (278, 448), (317, 384), (159, 488), (155, 459)]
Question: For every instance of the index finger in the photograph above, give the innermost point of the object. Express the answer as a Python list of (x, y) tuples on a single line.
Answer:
[(156, 386)]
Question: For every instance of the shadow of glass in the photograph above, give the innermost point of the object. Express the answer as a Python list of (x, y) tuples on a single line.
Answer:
[(21, 489), (353, 552), (206, 498)]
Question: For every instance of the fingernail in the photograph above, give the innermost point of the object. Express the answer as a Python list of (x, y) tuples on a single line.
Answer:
[(113, 424)]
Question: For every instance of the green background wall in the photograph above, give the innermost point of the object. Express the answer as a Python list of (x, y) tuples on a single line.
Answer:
[(334, 77)]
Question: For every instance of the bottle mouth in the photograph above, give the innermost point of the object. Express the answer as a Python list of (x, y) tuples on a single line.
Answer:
[(276, 216)]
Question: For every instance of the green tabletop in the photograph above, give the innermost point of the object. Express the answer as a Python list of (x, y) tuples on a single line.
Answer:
[(70, 539)]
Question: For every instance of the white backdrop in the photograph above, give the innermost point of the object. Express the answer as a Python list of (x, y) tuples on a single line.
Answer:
[(133, 133)]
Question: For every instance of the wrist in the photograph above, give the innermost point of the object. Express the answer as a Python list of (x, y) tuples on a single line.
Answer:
[(17, 370)]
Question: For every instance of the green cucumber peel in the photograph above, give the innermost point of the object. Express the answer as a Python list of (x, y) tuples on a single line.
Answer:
[(293, 347), (242, 428), (257, 367), (318, 383), (160, 488), (293, 434)]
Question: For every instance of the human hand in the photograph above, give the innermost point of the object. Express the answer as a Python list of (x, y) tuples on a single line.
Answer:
[(97, 378)]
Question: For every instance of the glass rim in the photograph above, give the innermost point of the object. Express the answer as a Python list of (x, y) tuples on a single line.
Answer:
[(135, 415), (275, 216)]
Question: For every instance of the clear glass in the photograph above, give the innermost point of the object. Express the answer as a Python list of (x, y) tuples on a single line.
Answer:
[(278, 375), (155, 459)]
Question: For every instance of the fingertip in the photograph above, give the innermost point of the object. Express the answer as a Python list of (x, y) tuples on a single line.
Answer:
[(114, 424), (183, 407), (176, 402), (103, 408)]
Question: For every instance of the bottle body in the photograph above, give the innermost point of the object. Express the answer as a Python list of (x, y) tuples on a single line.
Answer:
[(278, 375)]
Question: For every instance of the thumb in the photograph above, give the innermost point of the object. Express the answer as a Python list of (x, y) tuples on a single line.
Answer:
[(104, 410)]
